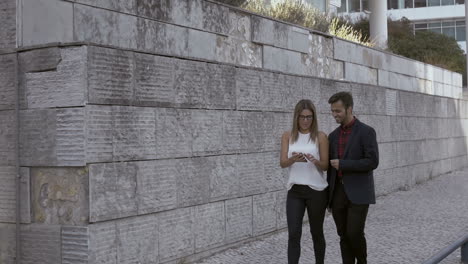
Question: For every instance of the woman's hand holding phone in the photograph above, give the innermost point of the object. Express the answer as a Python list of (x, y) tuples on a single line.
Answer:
[(298, 157)]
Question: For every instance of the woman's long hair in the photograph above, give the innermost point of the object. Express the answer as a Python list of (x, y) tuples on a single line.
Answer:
[(302, 105)]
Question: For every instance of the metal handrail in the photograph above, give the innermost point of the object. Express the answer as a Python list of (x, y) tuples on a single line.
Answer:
[(462, 242)]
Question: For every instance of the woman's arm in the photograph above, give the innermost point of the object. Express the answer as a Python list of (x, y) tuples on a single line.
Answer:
[(323, 150), (284, 160)]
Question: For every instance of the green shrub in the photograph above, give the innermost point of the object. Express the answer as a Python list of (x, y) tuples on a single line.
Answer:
[(347, 31)]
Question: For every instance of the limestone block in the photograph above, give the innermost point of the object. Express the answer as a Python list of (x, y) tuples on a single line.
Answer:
[(238, 219), (457, 79), (201, 45), (238, 51), (60, 196), (275, 125), (61, 86), (224, 183), (123, 6), (252, 131), (112, 191), (162, 38), (239, 25), (187, 13), (8, 68), (154, 80), (447, 77), (275, 92), (8, 29), (52, 137), (173, 133), (360, 74), (320, 46), (310, 90), (207, 132), (368, 99), (46, 21), (134, 133), (8, 194), (249, 90), (176, 234), (269, 32), (282, 60), (74, 245), (391, 180), (275, 176), (387, 155), (294, 91), (438, 74), (103, 242), (8, 138), (8, 243), (215, 17), (110, 76), (232, 130), (409, 153), (264, 213), (210, 226), (104, 27), (221, 89), (156, 185), (407, 105), (99, 133), (40, 243), (396, 81), (327, 89), (154, 9), (137, 239), (193, 180), (438, 88), (357, 54), (400, 65), (298, 39), (251, 173), (191, 84), (281, 220), (419, 173), (391, 102), (420, 69)]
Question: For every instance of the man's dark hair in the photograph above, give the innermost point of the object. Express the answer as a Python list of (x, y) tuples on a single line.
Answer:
[(345, 97)]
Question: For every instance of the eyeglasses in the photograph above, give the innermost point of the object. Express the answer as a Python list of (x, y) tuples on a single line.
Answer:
[(308, 118)]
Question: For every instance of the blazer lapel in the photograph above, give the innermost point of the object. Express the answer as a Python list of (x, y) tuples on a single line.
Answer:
[(356, 127)]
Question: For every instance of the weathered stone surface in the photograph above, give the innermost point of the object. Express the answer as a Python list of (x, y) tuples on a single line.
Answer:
[(251, 173), (298, 39), (238, 219), (137, 240), (8, 138), (275, 92), (249, 90), (74, 245), (176, 234), (221, 89), (99, 133), (252, 132), (193, 180), (157, 185), (207, 132), (8, 22), (239, 25), (52, 137), (110, 76), (216, 17), (154, 80), (275, 124), (8, 243), (154, 9), (125, 6), (281, 220), (210, 226), (224, 183), (310, 90), (391, 102), (39, 244), (8, 194), (173, 133), (46, 21), (320, 46), (191, 84), (201, 44), (264, 213), (112, 191), (53, 78), (162, 38), (457, 79), (269, 32), (104, 27), (360, 74), (60, 196), (232, 129), (8, 69), (275, 176), (103, 242), (282, 60), (351, 52)]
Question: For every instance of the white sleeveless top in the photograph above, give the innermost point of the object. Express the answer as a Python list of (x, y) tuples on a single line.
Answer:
[(306, 173)]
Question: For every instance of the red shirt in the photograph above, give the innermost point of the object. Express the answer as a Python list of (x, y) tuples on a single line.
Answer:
[(345, 132)]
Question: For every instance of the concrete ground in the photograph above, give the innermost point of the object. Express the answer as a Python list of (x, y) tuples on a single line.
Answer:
[(403, 227)]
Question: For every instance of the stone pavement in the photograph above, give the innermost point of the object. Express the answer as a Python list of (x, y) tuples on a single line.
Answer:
[(403, 227)]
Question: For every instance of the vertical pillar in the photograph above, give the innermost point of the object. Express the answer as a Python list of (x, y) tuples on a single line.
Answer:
[(378, 22)]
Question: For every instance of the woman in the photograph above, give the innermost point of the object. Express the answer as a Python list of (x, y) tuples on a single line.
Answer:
[(304, 150)]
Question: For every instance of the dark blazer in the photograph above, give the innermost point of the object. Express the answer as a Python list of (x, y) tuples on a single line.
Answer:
[(360, 158)]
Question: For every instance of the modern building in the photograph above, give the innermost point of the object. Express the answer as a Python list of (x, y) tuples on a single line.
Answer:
[(442, 16)]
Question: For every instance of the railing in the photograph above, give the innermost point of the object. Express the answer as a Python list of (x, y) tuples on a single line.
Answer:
[(461, 242)]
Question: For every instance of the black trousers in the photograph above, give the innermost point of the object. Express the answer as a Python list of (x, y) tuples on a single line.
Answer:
[(299, 198), (350, 220)]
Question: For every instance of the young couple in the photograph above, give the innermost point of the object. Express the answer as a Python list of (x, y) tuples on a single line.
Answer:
[(349, 155)]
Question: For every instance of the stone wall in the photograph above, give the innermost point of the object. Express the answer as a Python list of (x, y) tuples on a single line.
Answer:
[(150, 130)]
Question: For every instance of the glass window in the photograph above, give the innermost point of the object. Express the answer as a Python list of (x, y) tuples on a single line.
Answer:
[(433, 2), (419, 26), (365, 5), (461, 23), (342, 8), (354, 6), (450, 32), (392, 4), (461, 34), (434, 24), (448, 24), (447, 2), (408, 3), (436, 30), (420, 3), (461, 2)]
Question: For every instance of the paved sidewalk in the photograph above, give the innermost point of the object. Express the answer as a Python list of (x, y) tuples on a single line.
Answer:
[(403, 227)]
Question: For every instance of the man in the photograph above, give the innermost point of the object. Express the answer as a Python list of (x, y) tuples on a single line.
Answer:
[(353, 156)]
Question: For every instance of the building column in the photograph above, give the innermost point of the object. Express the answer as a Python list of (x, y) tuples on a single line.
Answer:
[(378, 22)]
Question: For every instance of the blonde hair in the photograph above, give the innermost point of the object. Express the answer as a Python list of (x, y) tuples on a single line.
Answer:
[(304, 104)]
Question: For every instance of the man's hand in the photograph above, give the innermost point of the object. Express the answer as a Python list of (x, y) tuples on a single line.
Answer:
[(335, 163)]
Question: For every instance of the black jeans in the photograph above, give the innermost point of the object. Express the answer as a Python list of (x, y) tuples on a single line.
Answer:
[(299, 198), (350, 220)]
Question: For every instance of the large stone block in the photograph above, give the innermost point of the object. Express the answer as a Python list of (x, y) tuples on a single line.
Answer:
[(273, 86), (281, 217), (8, 194), (201, 45), (224, 182), (191, 84), (221, 87), (275, 176), (99, 133), (269, 32), (40, 244), (240, 25), (103, 242), (112, 191), (275, 124), (264, 213), (311, 91), (238, 219), (251, 173), (7, 243), (320, 46), (232, 130), (124, 6), (137, 240), (396, 81), (299, 39), (46, 21), (8, 73), (391, 102), (105, 27), (360, 74), (74, 245), (52, 137), (8, 22), (8, 138), (193, 180), (173, 133), (354, 53), (53, 77), (157, 37), (249, 90), (368, 99), (60, 196), (238, 51), (282, 60), (157, 185), (207, 132), (252, 132), (176, 234), (210, 226)]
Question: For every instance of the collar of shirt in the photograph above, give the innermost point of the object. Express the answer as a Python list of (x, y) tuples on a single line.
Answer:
[(350, 125)]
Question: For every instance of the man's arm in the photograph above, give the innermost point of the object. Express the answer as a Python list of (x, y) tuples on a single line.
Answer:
[(369, 161)]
